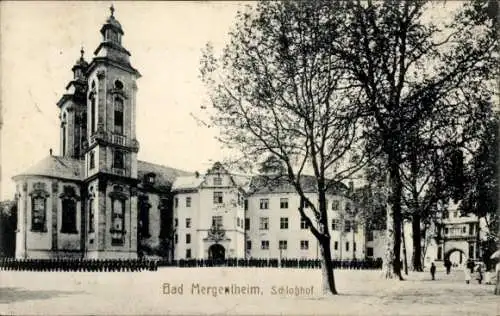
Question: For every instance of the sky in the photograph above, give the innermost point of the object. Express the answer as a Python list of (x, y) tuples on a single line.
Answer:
[(41, 41)]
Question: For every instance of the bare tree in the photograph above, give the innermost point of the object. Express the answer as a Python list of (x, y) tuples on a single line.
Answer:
[(278, 90), (411, 70)]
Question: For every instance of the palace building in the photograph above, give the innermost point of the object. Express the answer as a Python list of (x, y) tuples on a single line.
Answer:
[(97, 200)]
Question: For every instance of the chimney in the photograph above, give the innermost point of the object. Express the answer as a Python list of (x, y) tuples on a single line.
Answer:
[(196, 174), (50, 151)]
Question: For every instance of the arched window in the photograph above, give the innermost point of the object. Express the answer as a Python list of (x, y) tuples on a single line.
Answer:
[(118, 115), (38, 212), (93, 106), (64, 139), (39, 197), (92, 112), (91, 160), (68, 225), (117, 230), (91, 216), (63, 126)]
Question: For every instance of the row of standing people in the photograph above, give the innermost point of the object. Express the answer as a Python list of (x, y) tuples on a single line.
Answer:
[(80, 265)]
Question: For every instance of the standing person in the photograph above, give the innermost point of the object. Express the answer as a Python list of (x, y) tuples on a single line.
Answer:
[(467, 274), (447, 264), (433, 270), (479, 273)]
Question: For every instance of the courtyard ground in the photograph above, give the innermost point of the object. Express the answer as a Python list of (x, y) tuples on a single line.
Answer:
[(361, 293)]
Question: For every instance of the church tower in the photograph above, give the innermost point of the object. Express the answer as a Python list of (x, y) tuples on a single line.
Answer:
[(111, 151), (73, 114)]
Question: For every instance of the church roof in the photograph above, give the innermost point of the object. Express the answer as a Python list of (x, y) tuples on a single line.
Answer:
[(73, 169), (56, 167), (186, 183), (263, 184), (164, 176)]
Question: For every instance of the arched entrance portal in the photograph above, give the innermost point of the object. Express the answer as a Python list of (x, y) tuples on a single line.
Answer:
[(456, 256), (216, 252)]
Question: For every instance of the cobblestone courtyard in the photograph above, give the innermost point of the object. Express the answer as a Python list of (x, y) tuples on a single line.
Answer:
[(218, 291)]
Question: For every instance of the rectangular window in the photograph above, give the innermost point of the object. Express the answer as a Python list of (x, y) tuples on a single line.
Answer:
[(188, 253), (264, 223), (284, 223), (264, 204), (176, 239), (176, 202), (354, 246), (249, 245), (354, 226), (118, 159), (471, 229), (335, 205), (336, 245), (188, 238), (303, 224), (283, 203), (335, 224), (304, 244), (440, 253), (283, 244), (217, 221), (188, 222), (217, 181), (246, 205), (369, 235), (464, 230), (176, 222), (446, 231), (218, 198), (264, 244), (247, 223), (347, 246), (188, 201), (144, 207), (369, 252), (347, 226)]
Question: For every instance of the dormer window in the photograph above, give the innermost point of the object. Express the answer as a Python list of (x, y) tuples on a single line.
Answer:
[(150, 178)]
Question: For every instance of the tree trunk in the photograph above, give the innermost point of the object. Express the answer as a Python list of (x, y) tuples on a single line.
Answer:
[(387, 264), (417, 243), (497, 286), (395, 201), (327, 268), (404, 249)]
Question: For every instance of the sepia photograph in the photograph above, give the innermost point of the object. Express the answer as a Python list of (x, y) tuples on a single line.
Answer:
[(249, 158)]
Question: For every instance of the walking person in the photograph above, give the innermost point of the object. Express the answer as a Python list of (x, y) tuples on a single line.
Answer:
[(433, 270)]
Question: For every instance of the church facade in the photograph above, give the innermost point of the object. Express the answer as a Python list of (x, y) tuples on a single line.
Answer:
[(96, 200)]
